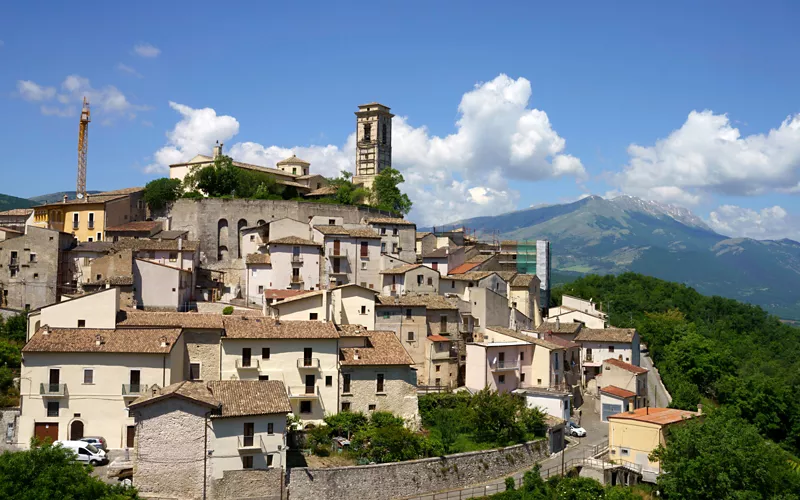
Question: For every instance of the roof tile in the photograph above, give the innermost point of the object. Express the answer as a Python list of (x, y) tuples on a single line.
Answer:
[(384, 348), (269, 328), (121, 340)]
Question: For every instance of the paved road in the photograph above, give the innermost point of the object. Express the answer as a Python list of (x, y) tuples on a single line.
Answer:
[(657, 394)]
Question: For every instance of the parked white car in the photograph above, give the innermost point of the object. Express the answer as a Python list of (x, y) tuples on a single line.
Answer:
[(85, 452), (574, 429)]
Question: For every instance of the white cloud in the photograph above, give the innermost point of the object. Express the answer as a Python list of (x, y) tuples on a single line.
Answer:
[(194, 134), (129, 70), (146, 50), (32, 91), (58, 111), (707, 155), (767, 223), (498, 139)]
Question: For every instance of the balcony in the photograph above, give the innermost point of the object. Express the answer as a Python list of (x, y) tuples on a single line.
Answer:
[(337, 272), (297, 259), (53, 390), (501, 366), (338, 253), (308, 363), (251, 364), (250, 445), (444, 355), (296, 279), (133, 390), (304, 392), (364, 256)]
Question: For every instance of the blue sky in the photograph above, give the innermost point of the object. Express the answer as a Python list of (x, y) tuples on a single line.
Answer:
[(601, 78)]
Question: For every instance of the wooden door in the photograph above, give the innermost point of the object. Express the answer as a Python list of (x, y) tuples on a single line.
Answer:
[(337, 246), (76, 430), (310, 379), (43, 431), (130, 434)]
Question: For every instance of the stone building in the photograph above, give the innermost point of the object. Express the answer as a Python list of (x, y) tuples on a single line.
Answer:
[(377, 374), (373, 142), (193, 436), (351, 255), (398, 236), (34, 268), (16, 219), (409, 278)]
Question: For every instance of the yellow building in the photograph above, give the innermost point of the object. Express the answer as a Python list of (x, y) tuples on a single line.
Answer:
[(633, 435), (88, 218)]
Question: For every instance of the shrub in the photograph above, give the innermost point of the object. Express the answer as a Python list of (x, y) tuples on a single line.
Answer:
[(346, 423), (160, 192), (228, 310), (511, 485), (385, 419)]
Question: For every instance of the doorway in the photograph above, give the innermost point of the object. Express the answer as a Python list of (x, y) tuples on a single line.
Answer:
[(310, 384), (76, 430), (44, 431), (130, 435)]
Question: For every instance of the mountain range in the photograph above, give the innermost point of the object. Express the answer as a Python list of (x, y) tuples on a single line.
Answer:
[(597, 235)]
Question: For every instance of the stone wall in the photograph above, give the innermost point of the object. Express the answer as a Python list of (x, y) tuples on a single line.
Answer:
[(9, 417), (202, 346), (250, 484), (416, 477), (399, 396)]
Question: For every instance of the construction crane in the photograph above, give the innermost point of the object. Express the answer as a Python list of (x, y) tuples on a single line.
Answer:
[(83, 148)]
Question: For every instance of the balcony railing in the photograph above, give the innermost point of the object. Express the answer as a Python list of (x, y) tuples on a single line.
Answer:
[(251, 445), (335, 271), (308, 363), (53, 390), (364, 256), (14, 262), (304, 392), (337, 253), (448, 354), (133, 390), (504, 365), (296, 279), (251, 364), (297, 259), (91, 224)]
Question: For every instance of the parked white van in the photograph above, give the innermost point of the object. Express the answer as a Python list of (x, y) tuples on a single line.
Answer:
[(85, 452)]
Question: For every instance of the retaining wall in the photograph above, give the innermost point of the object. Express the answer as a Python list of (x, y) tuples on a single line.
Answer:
[(415, 477)]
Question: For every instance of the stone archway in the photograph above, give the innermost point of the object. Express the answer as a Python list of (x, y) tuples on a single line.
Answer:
[(239, 227), (76, 430)]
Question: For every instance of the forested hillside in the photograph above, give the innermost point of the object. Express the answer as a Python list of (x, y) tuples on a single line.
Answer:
[(709, 349)]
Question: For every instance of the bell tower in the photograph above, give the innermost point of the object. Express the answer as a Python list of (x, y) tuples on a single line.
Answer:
[(373, 142)]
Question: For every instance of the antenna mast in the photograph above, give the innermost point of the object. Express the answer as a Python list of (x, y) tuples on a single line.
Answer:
[(83, 148)]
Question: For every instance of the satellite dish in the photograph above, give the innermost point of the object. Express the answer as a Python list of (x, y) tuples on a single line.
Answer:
[(79, 196)]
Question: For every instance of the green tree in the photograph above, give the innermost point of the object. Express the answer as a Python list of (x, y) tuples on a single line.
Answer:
[(47, 471), (450, 425), (15, 327), (346, 423), (723, 457), (496, 417), (159, 193), (387, 195)]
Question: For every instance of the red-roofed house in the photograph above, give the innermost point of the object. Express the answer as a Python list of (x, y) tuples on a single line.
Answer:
[(623, 377)]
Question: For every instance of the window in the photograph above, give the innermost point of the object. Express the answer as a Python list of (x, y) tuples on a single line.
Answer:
[(346, 406), (36, 276), (252, 237), (438, 368), (611, 348), (443, 324), (305, 406), (99, 236), (501, 379), (394, 247), (312, 316), (364, 249), (260, 289), (346, 383), (522, 377), (372, 407), (248, 433), (394, 231), (383, 231), (294, 170), (52, 408), (269, 459), (410, 337), (430, 281), (88, 376), (383, 247), (194, 371), (81, 323), (453, 284), (270, 428), (408, 313), (328, 381), (247, 462), (522, 356), (624, 452), (538, 381), (246, 356), (438, 382), (331, 222), (89, 239), (363, 268), (380, 378), (32, 257), (420, 279), (363, 309), (265, 353), (173, 256), (263, 378), (386, 314)]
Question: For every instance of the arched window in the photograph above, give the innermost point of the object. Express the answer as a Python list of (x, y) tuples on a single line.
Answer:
[(239, 226), (222, 236)]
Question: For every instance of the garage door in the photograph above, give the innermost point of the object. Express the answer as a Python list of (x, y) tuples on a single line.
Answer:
[(610, 410), (46, 430)]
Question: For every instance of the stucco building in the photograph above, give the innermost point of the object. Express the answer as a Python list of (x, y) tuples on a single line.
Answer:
[(573, 309), (398, 236), (351, 255), (16, 219), (409, 278), (610, 343)]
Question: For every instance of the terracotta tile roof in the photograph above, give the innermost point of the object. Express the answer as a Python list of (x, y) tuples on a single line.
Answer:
[(562, 342), (463, 268), (323, 191), (258, 258), (559, 327), (523, 280), (434, 302), (506, 275), (438, 338), (625, 366), (438, 253), (293, 160), (268, 328), (17, 212), (139, 226), (363, 233), (143, 244), (332, 230), (402, 269), (234, 398), (480, 259), (384, 349), (659, 416), (92, 246), (170, 235), (389, 220), (282, 293), (422, 234), (623, 335), (353, 331), (294, 240), (173, 319), (508, 242), (9, 230), (143, 340), (103, 197), (129, 190), (471, 275), (240, 398), (305, 295), (525, 337), (617, 391), (125, 280)]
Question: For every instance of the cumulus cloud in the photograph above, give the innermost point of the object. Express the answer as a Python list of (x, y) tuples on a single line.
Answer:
[(129, 70), (146, 50), (195, 133), (108, 100), (498, 138), (767, 223), (707, 155)]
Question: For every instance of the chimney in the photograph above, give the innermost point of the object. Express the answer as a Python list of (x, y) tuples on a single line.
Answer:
[(99, 340), (180, 243), (65, 197), (163, 341), (355, 354), (217, 150)]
